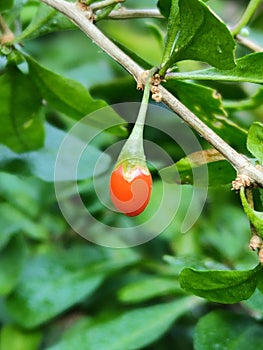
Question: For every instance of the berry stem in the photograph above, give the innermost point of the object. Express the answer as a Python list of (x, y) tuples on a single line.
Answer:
[(133, 147)]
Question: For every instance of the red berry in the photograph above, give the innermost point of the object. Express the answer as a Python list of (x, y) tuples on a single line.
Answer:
[(130, 188)]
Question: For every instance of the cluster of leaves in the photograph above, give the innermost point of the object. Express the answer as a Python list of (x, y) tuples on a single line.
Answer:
[(55, 287)]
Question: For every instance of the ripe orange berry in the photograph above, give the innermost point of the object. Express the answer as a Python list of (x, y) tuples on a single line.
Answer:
[(130, 187)]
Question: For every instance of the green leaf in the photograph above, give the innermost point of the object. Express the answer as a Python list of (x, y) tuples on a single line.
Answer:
[(201, 36), (248, 68), (224, 330), (206, 103), (255, 217), (15, 338), (164, 6), (255, 140), (71, 98), (148, 288), (21, 123), (202, 100), (11, 262), (6, 5), (53, 282), (46, 20), (225, 287), (192, 168), (132, 330)]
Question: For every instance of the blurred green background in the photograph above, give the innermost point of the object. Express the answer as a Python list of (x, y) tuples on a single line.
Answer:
[(60, 291)]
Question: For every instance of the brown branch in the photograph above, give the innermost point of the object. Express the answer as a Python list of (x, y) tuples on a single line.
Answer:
[(248, 43), (77, 16), (124, 13)]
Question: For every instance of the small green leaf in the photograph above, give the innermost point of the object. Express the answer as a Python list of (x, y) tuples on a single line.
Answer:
[(15, 338), (165, 5), (225, 287), (46, 20), (148, 288), (201, 36), (255, 140), (132, 330), (70, 97), (255, 217), (21, 123), (224, 330), (11, 262), (248, 68), (66, 95)]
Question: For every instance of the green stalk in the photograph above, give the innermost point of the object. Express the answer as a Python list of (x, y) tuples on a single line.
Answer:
[(172, 30), (133, 148), (247, 15)]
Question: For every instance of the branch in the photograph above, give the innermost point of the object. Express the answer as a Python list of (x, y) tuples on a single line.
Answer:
[(77, 16), (248, 43), (124, 13)]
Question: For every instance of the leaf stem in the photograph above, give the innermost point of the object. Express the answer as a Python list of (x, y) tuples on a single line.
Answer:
[(248, 43), (246, 17), (238, 161)]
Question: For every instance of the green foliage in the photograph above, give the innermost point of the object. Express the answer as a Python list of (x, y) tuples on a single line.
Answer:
[(236, 331), (6, 5), (220, 172), (42, 163), (56, 281), (248, 68), (22, 124), (255, 217), (220, 286), (46, 20), (255, 141), (113, 334), (198, 35), (61, 292)]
